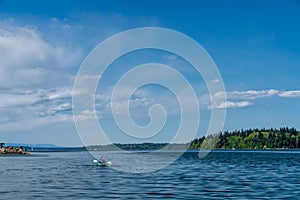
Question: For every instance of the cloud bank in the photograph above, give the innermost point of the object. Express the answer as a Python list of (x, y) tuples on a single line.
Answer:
[(27, 58)]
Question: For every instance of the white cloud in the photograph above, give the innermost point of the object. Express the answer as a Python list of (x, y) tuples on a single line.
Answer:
[(19, 97), (137, 106), (63, 107), (35, 77), (58, 109), (88, 115), (249, 94), (11, 100), (230, 104), (33, 122), (255, 94), (58, 93), (27, 105), (25, 55), (235, 98), (290, 94), (215, 81)]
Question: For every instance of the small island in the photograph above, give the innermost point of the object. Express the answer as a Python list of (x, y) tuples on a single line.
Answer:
[(12, 150)]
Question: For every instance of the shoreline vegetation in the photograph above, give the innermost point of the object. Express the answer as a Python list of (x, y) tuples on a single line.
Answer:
[(283, 138)]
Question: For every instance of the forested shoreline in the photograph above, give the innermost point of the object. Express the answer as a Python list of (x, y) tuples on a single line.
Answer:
[(252, 139), (281, 138)]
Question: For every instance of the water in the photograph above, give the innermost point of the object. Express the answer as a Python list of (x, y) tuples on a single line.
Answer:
[(220, 175)]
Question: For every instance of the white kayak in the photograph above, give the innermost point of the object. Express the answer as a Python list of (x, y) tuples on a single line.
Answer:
[(97, 162)]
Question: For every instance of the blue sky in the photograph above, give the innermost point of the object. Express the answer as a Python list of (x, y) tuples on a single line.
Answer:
[(255, 44)]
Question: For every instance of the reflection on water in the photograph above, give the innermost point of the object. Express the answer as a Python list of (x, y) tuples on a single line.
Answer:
[(231, 174)]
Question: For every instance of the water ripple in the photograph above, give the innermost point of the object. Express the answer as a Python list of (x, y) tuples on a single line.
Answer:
[(221, 174)]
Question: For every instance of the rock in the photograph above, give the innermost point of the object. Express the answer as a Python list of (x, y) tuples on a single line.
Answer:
[(13, 150)]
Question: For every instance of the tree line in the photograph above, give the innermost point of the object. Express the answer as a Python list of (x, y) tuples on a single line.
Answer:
[(252, 139)]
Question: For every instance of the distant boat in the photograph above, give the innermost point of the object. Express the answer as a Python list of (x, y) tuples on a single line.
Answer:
[(233, 149)]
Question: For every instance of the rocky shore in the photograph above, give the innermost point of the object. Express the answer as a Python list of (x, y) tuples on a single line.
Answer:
[(13, 150)]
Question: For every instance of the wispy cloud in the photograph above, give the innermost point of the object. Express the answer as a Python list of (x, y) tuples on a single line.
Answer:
[(88, 115), (215, 81), (230, 104), (249, 94), (290, 94), (64, 108), (240, 99), (29, 105), (19, 97), (255, 94)]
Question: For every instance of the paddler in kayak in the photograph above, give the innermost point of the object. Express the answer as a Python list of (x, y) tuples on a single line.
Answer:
[(102, 161)]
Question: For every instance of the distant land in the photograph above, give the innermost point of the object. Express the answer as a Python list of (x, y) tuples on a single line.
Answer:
[(44, 147), (32, 145), (137, 147), (286, 138), (282, 138)]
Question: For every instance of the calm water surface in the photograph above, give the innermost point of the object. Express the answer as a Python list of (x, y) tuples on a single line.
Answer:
[(220, 175)]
